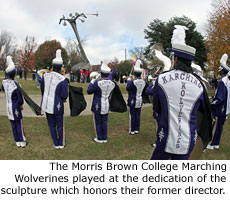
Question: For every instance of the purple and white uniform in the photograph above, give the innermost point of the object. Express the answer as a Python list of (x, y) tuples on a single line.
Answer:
[(13, 102), (177, 97), (102, 89), (135, 88), (220, 108), (54, 88)]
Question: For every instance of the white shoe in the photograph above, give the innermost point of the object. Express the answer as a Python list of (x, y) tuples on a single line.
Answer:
[(132, 133), (23, 144), (56, 147), (61, 147), (136, 132), (216, 146), (105, 141), (154, 145), (97, 140), (18, 144), (210, 147)]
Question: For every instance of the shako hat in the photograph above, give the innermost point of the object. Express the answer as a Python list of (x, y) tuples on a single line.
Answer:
[(138, 66), (10, 65), (105, 68), (223, 64), (179, 46), (57, 62)]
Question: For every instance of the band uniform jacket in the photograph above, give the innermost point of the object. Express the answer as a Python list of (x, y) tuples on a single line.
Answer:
[(221, 102), (13, 99), (177, 98), (54, 87), (135, 88), (102, 89)]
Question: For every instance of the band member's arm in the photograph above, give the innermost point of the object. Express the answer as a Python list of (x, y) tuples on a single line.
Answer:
[(112, 73), (20, 98), (220, 94), (130, 85), (150, 90), (64, 90), (156, 104), (92, 87)]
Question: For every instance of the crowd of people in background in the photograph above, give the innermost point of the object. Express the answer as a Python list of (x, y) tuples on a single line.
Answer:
[(80, 76), (83, 76)]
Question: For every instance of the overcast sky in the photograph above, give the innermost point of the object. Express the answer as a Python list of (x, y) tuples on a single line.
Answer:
[(119, 26)]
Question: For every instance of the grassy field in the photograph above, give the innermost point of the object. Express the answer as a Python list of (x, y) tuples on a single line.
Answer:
[(79, 145), (79, 134)]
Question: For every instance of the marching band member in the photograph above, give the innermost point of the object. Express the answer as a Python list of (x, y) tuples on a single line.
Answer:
[(54, 88), (135, 88), (102, 89), (14, 102), (177, 96), (220, 104)]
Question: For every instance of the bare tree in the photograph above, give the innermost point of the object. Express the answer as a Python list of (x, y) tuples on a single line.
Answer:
[(7, 40), (138, 52), (74, 52)]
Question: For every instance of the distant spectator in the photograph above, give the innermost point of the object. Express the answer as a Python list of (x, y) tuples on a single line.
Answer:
[(20, 72), (83, 76), (25, 74), (38, 80), (116, 76), (71, 76), (34, 74), (121, 78), (78, 75), (87, 73)]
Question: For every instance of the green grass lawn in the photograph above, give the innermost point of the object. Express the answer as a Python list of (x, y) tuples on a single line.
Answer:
[(79, 145)]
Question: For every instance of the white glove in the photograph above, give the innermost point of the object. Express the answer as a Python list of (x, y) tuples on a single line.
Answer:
[(92, 81)]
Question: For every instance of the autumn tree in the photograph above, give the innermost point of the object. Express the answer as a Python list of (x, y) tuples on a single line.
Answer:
[(27, 54), (46, 52), (218, 33)]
